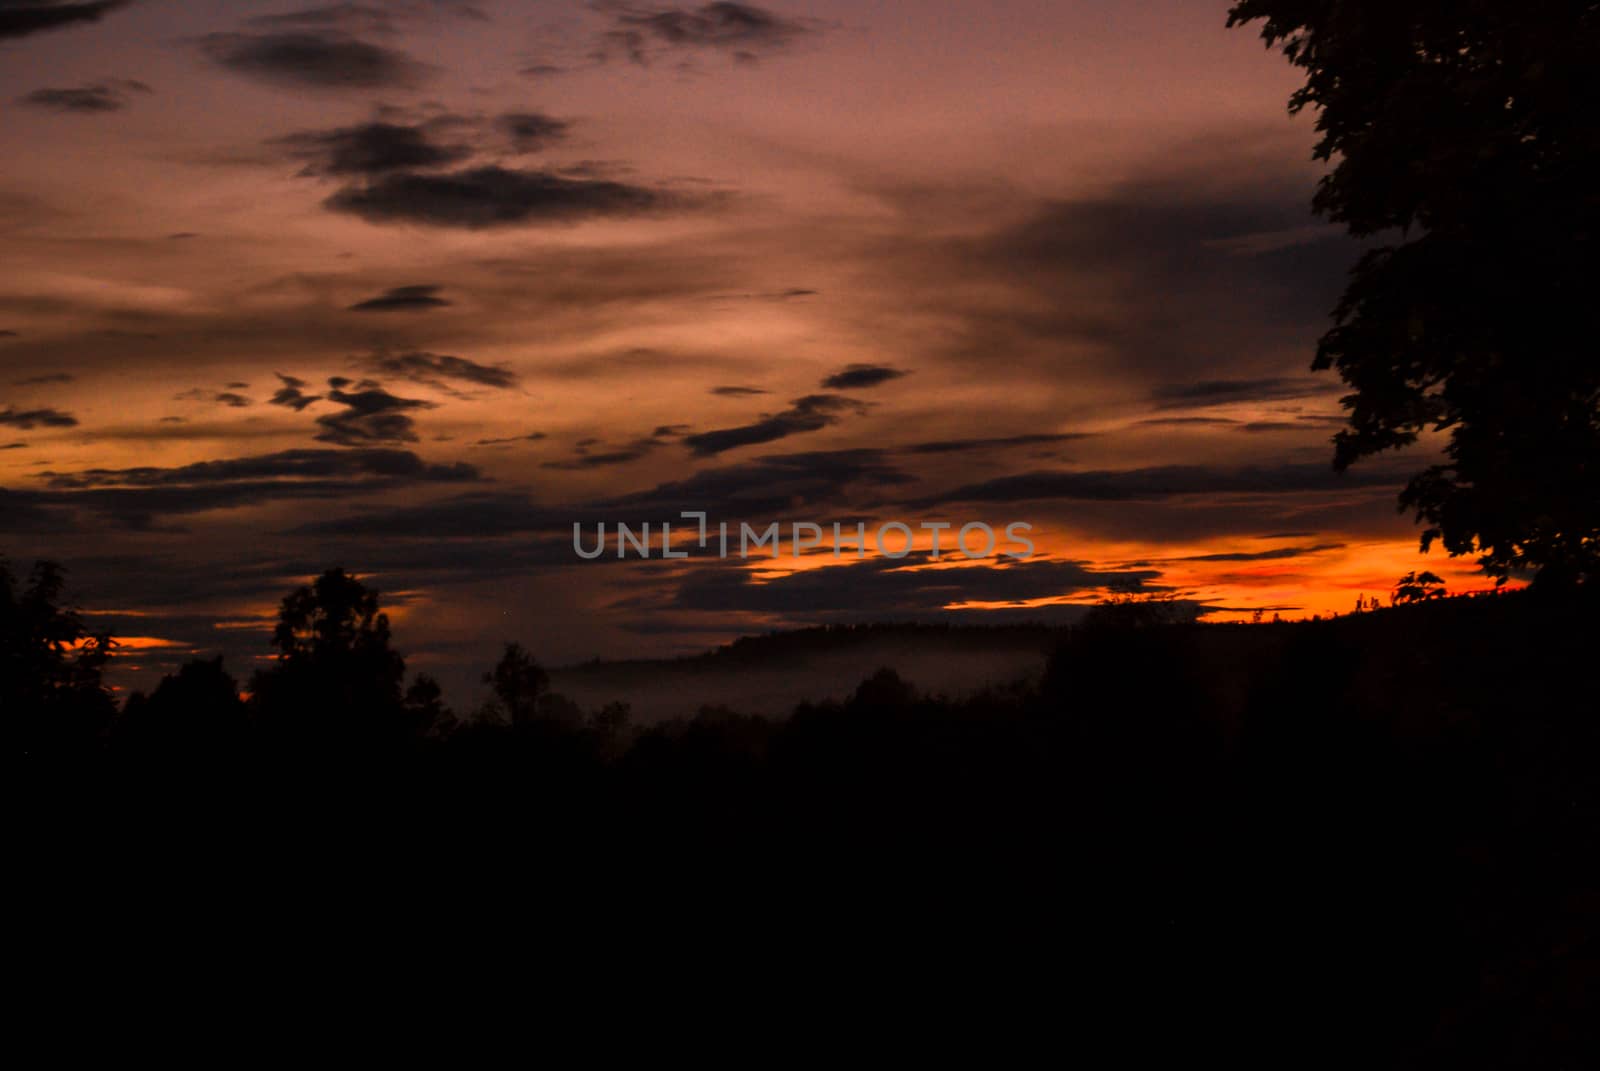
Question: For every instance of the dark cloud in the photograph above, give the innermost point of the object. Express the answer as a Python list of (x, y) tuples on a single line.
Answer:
[(10, 334), (1188, 421), (1280, 554), (957, 446), (14, 446), (141, 498), (434, 369), (398, 141), (108, 96), (224, 397), (314, 59), (656, 364), (766, 487), (744, 31), (28, 419), (287, 464), (1228, 391), (19, 18), (493, 197), (21, 512), (370, 416), (884, 589), (587, 456), (862, 376), (738, 392), (811, 413), (291, 395), (531, 437), (1165, 482), (774, 295), (403, 299), (532, 131), (590, 458), (373, 148), (39, 381), (770, 486), (482, 515)]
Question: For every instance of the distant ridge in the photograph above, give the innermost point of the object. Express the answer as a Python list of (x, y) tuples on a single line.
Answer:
[(770, 674)]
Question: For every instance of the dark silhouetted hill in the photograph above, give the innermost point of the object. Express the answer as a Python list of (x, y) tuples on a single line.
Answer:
[(771, 674), (1368, 841)]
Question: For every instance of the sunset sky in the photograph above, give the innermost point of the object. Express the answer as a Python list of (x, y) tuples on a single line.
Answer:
[(412, 286)]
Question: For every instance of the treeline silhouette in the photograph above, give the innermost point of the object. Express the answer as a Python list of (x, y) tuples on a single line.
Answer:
[(1373, 836)]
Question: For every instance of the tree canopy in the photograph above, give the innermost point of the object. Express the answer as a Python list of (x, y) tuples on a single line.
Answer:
[(51, 695), (1465, 145), (335, 661)]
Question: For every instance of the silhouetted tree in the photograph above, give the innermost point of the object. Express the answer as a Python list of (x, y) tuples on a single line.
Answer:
[(558, 709), (336, 676), (1465, 135), (51, 696), (519, 683), (1137, 608), (612, 720), (885, 690), (1417, 587), (425, 708), (194, 713)]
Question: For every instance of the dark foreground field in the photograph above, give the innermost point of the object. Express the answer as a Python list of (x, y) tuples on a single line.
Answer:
[(1369, 841)]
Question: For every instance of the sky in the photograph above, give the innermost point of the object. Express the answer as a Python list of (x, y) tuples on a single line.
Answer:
[(413, 287)]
